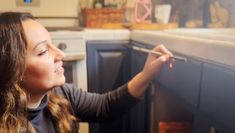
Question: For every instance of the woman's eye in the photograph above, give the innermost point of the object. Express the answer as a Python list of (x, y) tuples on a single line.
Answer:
[(43, 52)]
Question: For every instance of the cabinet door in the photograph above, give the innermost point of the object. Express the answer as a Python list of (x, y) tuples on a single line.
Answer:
[(183, 80), (107, 69), (218, 96), (140, 114), (107, 65)]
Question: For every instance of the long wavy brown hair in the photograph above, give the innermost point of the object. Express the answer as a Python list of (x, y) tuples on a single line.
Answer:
[(13, 98)]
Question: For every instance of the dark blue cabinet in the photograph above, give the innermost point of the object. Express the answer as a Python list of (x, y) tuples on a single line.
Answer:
[(108, 67), (107, 64), (164, 107), (183, 80), (195, 91), (111, 64), (218, 95)]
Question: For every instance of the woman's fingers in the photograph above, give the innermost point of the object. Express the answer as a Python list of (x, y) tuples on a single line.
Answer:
[(161, 60), (161, 48)]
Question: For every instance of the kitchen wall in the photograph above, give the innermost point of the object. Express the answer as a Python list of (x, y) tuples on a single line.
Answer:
[(55, 8), (188, 9), (193, 11)]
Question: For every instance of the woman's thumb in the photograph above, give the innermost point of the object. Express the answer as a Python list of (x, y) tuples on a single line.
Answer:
[(161, 60)]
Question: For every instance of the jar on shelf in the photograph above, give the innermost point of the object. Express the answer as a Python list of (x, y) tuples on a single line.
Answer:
[(143, 11)]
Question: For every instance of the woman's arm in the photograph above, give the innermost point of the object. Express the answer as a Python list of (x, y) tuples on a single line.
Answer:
[(93, 107)]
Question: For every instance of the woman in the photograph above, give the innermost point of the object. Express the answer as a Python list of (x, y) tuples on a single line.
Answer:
[(33, 94)]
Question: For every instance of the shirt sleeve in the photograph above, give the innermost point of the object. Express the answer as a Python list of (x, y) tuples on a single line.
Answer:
[(93, 107)]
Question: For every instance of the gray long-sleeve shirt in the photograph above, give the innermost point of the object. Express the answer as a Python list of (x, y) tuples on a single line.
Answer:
[(88, 107)]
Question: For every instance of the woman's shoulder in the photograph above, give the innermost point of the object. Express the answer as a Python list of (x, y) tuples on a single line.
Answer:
[(65, 87), (67, 90)]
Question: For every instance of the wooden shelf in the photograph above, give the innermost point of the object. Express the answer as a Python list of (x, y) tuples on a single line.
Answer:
[(154, 26)]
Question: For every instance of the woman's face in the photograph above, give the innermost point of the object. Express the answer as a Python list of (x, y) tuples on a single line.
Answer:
[(43, 60)]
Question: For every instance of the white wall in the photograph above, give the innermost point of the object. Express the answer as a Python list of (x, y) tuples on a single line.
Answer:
[(56, 8)]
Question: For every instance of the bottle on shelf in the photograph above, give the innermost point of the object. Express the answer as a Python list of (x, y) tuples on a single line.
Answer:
[(129, 11), (110, 3), (98, 4)]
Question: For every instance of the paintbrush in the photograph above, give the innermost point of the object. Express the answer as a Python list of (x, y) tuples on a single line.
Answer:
[(157, 53)]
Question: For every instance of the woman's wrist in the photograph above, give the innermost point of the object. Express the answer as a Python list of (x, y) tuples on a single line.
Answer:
[(138, 85), (143, 79)]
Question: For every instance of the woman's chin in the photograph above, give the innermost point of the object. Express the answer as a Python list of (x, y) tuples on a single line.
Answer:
[(60, 81)]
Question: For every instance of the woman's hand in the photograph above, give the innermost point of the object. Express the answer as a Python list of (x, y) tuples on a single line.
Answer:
[(153, 64)]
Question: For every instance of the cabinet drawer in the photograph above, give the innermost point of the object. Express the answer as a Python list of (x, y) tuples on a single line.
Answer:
[(183, 80), (218, 94)]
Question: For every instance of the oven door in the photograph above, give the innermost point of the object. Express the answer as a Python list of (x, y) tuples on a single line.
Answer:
[(70, 72), (76, 69)]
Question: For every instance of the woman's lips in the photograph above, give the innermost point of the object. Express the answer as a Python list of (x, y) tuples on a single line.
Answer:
[(59, 70)]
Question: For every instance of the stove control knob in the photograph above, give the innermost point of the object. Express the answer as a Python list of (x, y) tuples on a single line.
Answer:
[(62, 46)]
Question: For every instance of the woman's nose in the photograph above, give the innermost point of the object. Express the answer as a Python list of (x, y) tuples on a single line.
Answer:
[(59, 54)]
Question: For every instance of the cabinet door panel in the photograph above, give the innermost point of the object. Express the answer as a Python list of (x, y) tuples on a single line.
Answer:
[(183, 80), (218, 94), (107, 69), (107, 66)]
